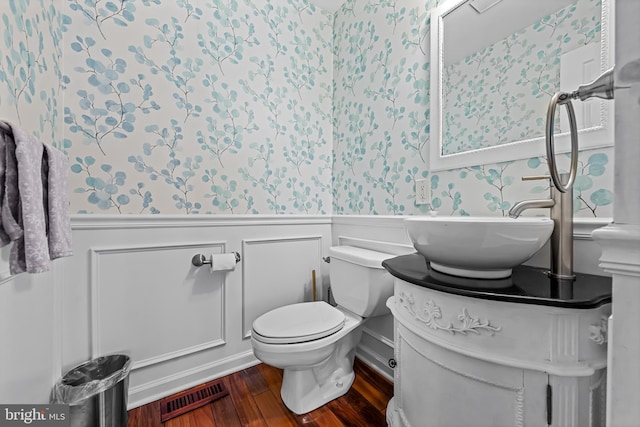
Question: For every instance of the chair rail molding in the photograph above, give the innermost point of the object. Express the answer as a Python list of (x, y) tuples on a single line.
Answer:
[(98, 222)]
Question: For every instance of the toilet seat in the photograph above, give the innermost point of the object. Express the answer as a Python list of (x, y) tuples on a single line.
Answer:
[(298, 323)]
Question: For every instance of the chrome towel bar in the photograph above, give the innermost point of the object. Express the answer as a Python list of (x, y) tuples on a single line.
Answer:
[(602, 87)]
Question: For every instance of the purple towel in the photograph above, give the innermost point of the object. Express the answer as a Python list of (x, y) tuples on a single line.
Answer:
[(35, 203), (11, 208), (11, 217), (57, 200), (4, 237)]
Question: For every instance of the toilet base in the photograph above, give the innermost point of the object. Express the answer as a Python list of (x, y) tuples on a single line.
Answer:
[(307, 388), (301, 391), (315, 372)]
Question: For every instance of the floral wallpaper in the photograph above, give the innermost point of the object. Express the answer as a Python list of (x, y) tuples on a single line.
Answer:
[(246, 107), (198, 106), (500, 93), (31, 67), (381, 125)]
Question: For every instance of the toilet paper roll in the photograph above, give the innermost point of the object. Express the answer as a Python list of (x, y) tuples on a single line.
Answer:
[(223, 262)]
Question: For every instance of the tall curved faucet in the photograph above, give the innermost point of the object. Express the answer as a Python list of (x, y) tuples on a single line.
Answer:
[(561, 212), (560, 201)]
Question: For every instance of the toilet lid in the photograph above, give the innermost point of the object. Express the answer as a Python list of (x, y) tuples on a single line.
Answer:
[(297, 323)]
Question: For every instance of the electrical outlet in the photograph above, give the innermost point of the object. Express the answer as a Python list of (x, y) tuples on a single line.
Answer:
[(423, 192)]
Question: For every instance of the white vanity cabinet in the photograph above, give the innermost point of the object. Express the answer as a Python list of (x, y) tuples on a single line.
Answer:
[(466, 361)]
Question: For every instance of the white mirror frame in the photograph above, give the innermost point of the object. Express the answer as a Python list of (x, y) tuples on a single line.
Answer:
[(597, 136)]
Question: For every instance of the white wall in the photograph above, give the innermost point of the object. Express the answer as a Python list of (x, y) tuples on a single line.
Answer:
[(30, 335)]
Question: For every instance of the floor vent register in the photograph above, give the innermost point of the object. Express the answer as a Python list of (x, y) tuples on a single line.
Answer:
[(183, 402)]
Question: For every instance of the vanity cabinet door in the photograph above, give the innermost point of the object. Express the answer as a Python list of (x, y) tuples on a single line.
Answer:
[(436, 387)]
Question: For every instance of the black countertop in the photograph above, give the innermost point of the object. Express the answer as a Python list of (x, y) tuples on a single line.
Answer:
[(527, 285)]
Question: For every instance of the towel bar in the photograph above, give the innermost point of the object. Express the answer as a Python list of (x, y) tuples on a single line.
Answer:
[(199, 260)]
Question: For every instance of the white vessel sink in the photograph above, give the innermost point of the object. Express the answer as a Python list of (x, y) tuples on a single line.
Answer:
[(478, 247)]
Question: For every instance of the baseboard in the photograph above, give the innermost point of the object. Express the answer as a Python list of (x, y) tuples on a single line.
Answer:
[(166, 386)]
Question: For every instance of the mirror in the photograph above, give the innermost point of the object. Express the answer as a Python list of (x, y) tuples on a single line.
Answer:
[(495, 64)]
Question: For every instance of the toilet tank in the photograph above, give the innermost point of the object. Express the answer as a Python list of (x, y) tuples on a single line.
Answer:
[(359, 283)]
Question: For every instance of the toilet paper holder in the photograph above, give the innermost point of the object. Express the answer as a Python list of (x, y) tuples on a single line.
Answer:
[(199, 260)]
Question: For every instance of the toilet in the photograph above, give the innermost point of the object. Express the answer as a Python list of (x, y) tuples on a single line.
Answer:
[(314, 342)]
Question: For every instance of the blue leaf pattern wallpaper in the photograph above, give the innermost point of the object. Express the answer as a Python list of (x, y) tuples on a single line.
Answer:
[(31, 67), (248, 107), (218, 106)]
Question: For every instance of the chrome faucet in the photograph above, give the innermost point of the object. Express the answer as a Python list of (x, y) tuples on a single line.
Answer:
[(561, 212)]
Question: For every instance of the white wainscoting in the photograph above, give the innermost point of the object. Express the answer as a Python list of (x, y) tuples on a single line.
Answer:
[(30, 335), (162, 332), (181, 324), (276, 267), (130, 287)]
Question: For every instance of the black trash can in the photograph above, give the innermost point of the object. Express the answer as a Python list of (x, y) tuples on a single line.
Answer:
[(96, 392)]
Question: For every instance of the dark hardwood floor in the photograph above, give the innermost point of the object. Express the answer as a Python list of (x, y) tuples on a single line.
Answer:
[(254, 400)]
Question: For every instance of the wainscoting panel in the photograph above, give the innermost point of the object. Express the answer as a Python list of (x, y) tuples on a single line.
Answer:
[(166, 307), (278, 272), (29, 337)]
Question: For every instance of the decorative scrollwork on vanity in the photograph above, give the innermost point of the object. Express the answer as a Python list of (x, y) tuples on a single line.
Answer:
[(431, 314), (598, 333)]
